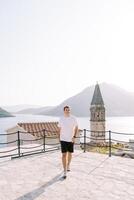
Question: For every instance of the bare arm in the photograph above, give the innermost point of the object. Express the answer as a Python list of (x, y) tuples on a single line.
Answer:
[(75, 131), (75, 134)]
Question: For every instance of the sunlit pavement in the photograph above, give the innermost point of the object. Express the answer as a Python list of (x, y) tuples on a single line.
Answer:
[(92, 176)]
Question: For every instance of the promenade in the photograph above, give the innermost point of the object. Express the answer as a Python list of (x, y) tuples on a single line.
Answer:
[(92, 176)]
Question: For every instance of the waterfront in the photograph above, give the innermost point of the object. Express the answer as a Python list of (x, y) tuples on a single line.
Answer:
[(117, 124)]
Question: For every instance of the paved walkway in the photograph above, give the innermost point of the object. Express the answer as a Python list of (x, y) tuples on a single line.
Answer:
[(92, 176)]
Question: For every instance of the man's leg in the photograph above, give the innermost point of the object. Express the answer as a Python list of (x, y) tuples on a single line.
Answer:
[(64, 161), (69, 158), (70, 151)]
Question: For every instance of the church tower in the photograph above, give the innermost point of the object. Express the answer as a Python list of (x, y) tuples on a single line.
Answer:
[(97, 117)]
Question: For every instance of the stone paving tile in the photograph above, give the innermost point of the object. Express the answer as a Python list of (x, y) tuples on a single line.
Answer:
[(92, 176)]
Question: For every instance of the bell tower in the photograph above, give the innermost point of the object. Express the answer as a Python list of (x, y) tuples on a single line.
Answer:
[(97, 117)]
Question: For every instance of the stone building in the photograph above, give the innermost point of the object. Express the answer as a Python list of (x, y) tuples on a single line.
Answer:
[(97, 117), (33, 133)]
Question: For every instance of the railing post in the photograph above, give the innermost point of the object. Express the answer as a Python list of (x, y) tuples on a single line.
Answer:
[(109, 143), (84, 140), (19, 143), (44, 140)]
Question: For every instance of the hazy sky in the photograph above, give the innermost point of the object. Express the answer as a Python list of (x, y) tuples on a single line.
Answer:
[(53, 49)]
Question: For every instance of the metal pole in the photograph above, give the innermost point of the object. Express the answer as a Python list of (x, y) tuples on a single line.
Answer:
[(44, 141), (19, 143), (84, 140), (109, 143)]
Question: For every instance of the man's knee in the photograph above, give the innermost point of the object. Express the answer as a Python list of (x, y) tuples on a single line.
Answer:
[(64, 155), (69, 153)]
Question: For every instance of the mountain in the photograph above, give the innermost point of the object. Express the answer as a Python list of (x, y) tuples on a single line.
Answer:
[(37, 111), (17, 108), (4, 113), (117, 101)]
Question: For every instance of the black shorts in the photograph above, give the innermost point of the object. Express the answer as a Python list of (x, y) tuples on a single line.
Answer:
[(67, 147)]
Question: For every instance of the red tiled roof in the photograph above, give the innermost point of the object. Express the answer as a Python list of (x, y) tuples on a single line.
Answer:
[(38, 129)]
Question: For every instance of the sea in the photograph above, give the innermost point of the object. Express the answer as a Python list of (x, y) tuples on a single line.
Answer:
[(115, 124)]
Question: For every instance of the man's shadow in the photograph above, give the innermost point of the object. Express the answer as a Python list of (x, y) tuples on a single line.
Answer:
[(37, 192)]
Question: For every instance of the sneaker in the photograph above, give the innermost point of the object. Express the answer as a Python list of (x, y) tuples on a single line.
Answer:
[(68, 169), (64, 175)]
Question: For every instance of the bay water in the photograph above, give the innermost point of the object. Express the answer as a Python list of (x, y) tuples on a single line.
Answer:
[(115, 124)]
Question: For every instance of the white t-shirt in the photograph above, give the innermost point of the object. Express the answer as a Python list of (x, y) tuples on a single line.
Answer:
[(67, 125)]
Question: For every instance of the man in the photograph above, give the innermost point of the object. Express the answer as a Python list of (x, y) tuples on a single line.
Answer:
[(68, 129)]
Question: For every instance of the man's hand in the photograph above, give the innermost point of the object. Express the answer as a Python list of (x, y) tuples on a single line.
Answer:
[(73, 140)]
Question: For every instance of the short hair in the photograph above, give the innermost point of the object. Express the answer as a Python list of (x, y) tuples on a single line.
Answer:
[(65, 107)]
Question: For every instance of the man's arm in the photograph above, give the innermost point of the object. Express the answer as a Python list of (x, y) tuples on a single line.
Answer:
[(75, 131), (75, 134)]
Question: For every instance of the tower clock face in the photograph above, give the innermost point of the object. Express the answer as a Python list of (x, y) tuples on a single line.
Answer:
[(98, 114)]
